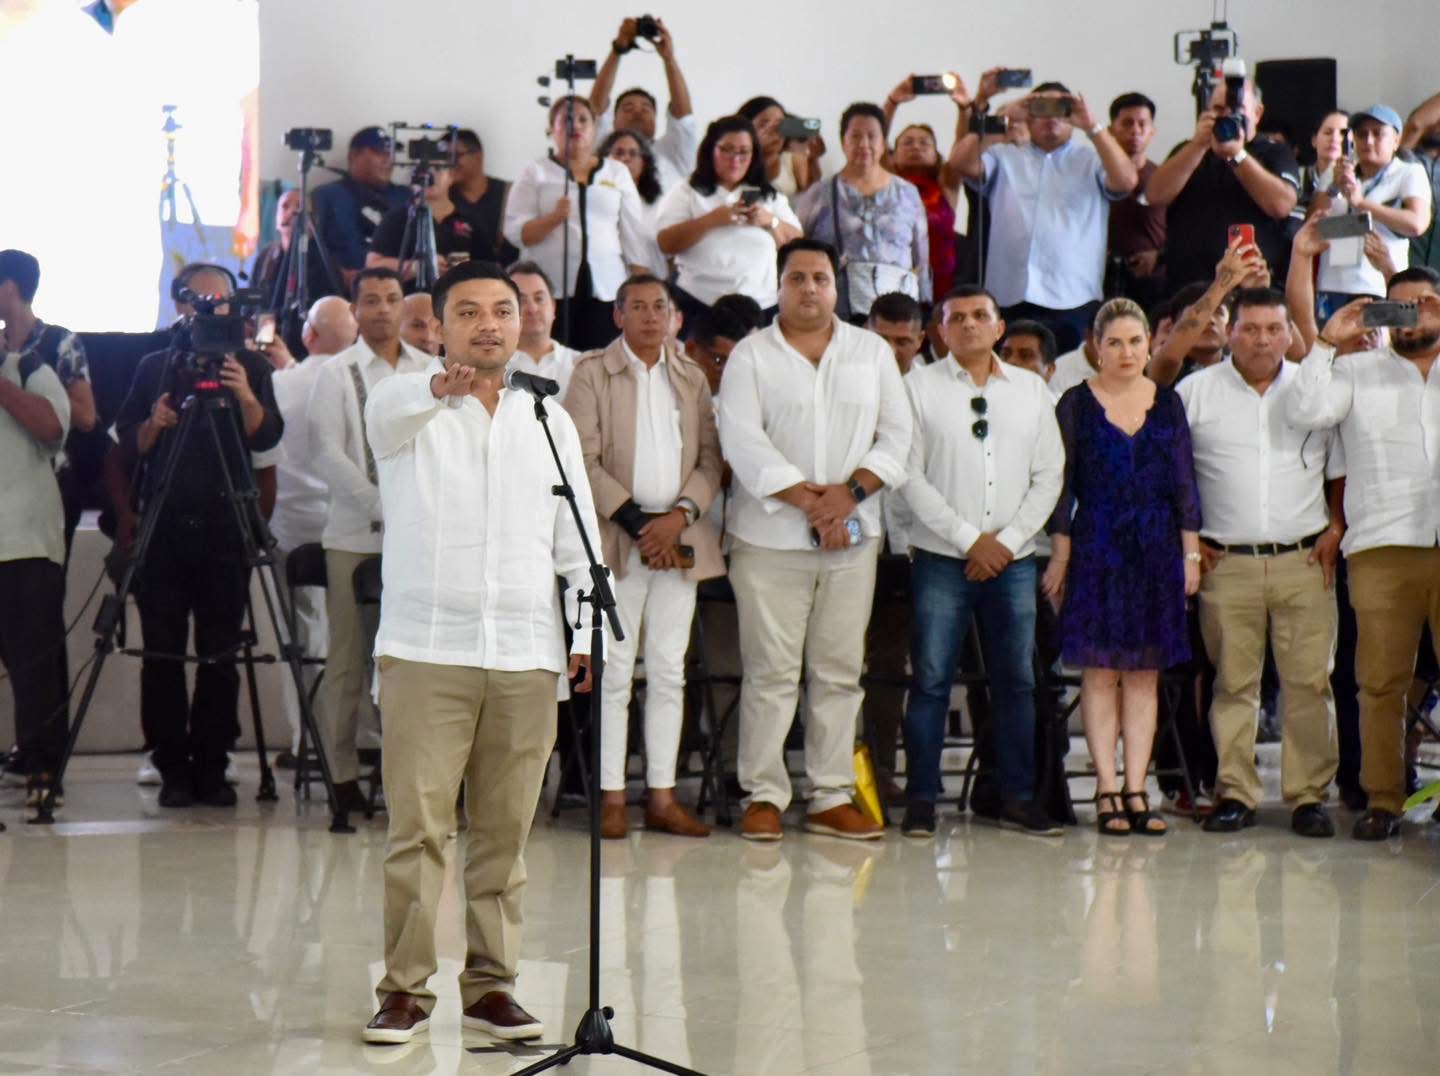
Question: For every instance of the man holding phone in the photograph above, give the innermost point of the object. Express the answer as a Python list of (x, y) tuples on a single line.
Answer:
[(1208, 184), (1050, 207), (1386, 403), (652, 453)]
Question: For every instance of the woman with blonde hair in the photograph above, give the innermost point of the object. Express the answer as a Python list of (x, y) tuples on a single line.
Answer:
[(1126, 540)]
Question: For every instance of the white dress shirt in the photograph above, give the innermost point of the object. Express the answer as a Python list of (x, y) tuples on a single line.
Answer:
[(656, 483), (784, 419), (337, 443), (32, 522), (1050, 214), (302, 498), (735, 258), (476, 536), (1261, 477), (1071, 369), (615, 230), (1389, 421), (557, 364), (961, 486)]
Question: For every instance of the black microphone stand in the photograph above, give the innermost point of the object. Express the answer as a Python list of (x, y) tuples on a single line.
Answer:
[(593, 1035)]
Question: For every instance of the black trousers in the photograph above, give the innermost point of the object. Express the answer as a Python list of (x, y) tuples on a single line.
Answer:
[(194, 569), (32, 635)]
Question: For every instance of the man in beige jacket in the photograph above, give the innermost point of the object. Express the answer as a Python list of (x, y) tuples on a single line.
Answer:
[(652, 453)]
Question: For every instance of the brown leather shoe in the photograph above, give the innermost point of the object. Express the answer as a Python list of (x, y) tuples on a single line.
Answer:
[(498, 1014), (761, 822), (350, 796), (613, 824), (844, 821), (677, 820), (399, 1020)]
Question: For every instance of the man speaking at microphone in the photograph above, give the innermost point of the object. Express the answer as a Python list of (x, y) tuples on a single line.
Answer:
[(470, 644)]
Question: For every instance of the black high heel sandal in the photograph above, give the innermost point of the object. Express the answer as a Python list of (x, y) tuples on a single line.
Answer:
[(1105, 820), (1142, 822)]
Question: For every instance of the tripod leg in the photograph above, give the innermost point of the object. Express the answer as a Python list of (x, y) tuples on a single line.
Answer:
[(267, 778)]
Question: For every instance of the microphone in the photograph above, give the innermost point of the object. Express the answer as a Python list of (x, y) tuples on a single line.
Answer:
[(536, 386)]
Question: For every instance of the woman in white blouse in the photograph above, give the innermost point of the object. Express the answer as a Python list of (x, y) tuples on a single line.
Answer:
[(636, 153), (724, 226), (602, 216)]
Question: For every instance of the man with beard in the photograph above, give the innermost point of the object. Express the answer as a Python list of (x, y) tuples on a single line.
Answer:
[(470, 645), (1386, 402)]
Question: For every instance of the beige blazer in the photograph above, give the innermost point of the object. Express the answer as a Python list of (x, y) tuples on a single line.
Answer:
[(601, 401)]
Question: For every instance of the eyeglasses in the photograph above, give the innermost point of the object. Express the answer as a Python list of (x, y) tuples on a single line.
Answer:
[(734, 151), (981, 406)]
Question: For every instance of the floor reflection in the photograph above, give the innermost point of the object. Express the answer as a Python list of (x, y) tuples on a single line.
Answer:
[(135, 940)]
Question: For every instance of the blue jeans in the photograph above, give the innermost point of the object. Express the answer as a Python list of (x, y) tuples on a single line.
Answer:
[(1004, 609)]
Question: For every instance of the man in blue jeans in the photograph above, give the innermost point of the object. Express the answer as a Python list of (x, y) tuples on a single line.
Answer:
[(985, 470)]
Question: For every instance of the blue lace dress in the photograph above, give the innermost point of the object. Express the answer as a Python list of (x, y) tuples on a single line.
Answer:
[(1124, 504)]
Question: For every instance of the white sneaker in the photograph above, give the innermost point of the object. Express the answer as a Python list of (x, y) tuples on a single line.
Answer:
[(232, 776), (148, 776)]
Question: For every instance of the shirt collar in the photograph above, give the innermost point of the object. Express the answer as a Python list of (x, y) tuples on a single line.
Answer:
[(635, 360), (997, 369)]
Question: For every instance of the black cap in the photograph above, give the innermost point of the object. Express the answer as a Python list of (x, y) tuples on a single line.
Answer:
[(370, 138)]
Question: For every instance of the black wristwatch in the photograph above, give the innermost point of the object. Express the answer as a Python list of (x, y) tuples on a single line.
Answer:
[(856, 490)]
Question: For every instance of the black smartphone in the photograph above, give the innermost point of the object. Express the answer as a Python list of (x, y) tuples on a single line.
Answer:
[(1014, 78), (1050, 107), (1388, 315), (1347, 144), (799, 127), (928, 84), (751, 195), (989, 125), (1343, 226)]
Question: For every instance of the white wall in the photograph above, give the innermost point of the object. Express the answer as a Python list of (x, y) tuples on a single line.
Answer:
[(347, 63)]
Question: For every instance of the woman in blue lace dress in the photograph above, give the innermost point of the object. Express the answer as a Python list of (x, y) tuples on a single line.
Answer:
[(1126, 555)]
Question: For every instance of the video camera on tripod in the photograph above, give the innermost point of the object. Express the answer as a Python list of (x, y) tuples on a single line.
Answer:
[(201, 340), (422, 148), (1212, 51)]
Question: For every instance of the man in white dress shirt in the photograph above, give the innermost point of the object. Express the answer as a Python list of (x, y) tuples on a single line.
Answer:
[(470, 647), (814, 422), (986, 466), (1269, 553), (302, 499), (353, 524), (635, 109), (540, 353), (1387, 405)]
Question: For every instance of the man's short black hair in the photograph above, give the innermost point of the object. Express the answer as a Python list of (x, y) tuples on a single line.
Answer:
[(968, 291), (1130, 100), (1189, 295), (637, 280), (22, 268), (374, 272), (801, 245), (742, 309), (469, 141), (1416, 274), (897, 307), (637, 91), (1041, 332), (709, 324), (860, 109), (1051, 87), (1257, 297), (530, 268), (471, 269)]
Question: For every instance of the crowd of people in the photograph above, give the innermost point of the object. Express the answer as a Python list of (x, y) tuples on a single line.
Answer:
[(936, 389)]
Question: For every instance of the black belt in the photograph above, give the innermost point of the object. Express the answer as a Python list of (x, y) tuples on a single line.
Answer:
[(1265, 549)]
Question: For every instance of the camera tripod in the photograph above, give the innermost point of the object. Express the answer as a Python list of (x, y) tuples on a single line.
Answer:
[(208, 405), (291, 300), (417, 242)]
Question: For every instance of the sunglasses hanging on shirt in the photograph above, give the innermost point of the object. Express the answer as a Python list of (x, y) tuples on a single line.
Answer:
[(981, 407)]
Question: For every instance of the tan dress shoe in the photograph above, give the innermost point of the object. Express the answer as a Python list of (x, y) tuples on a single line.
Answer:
[(613, 824), (677, 820), (761, 822), (844, 821), (399, 1020)]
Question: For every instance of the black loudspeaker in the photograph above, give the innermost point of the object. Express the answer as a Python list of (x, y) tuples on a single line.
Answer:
[(1297, 94)]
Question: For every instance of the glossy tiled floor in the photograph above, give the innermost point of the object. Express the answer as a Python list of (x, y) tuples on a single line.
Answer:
[(248, 941)]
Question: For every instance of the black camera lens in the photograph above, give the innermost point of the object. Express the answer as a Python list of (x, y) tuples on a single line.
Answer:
[(1227, 129), (647, 27)]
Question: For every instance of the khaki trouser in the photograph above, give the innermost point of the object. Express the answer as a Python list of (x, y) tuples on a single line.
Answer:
[(1395, 590), (345, 689), (495, 730), (794, 606), (1240, 600)]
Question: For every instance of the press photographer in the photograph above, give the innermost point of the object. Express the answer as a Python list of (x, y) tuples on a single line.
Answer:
[(348, 211), (195, 566)]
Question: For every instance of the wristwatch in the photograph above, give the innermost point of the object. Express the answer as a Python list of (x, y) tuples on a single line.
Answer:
[(1239, 159), (1194, 558), (856, 490), (1096, 129), (774, 223), (690, 508)]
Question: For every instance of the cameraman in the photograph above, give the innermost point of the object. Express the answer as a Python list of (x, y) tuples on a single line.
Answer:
[(196, 564), (635, 108), (1209, 185), (348, 211)]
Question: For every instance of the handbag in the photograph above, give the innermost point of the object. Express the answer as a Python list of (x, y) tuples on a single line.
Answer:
[(860, 283)]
